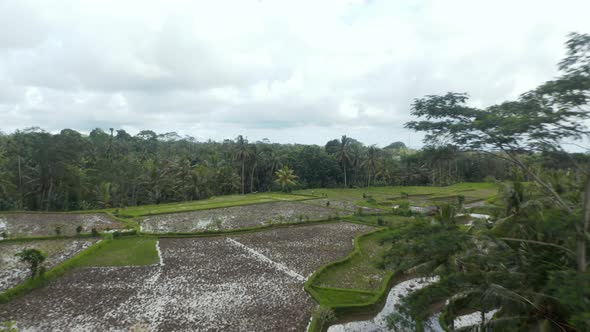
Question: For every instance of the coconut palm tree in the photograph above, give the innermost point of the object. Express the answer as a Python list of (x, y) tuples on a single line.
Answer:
[(256, 156), (343, 155), (285, 178), (241, 153), (371, 163)]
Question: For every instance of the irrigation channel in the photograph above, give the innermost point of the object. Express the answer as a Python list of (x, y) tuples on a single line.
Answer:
[(394, 298)]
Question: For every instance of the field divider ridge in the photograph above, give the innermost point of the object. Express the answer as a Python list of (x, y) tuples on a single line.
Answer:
[(263, 258)]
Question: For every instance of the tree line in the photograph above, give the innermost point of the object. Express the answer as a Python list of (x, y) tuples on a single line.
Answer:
[(73, 171)]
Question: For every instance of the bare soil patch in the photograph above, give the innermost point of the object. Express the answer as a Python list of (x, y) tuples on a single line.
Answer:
[(304, 249), (13, 272), (45, 224), (241, 283), (236, 217)]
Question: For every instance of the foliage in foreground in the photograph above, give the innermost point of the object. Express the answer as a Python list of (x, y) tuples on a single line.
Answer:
[(525, 265), (535, 256)]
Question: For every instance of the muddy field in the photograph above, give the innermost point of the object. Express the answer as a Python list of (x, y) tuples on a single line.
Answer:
[(342, 204), (243, 283), (45, 224), (237, 217), (13, 272), (307, 248)]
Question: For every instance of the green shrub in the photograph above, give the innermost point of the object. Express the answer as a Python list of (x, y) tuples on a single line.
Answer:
[(34, 258), (94, 231)]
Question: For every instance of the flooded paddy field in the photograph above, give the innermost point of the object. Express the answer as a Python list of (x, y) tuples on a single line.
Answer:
[(24, 224), (13, 272), (237, 217)]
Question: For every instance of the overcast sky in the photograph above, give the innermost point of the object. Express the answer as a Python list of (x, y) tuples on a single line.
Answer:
[(290, 71)]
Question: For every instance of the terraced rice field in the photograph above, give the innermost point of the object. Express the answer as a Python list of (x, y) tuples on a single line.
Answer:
[(205, 204), (24, 224), (237, 217), (342, 204), (13, 272), (249, 282), (417, 195)]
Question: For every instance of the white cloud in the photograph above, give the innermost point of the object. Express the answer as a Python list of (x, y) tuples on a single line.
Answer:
[(304, 71)]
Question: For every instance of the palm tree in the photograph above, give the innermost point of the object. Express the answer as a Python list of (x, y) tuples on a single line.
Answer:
[(355, 156), (6, 185), (371, 163), (285, 178), (104, 193), (273, 160), (256, 155), (241, 153), (343, 155)]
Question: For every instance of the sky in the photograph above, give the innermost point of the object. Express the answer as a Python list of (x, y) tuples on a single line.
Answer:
[(303, 71)]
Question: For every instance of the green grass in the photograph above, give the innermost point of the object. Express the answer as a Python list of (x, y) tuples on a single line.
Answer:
[(359, 270), (123, 252), (342, 285), (211, 203), (332, 296)]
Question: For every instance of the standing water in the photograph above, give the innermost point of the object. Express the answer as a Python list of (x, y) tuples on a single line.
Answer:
[(379, 322)]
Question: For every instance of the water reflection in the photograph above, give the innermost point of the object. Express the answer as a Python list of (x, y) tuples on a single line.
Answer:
[(379, 322)]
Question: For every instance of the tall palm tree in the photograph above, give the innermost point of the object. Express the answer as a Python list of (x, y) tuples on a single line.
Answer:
[(355, 157), (256, 156), (285, 178), (241, 153), (274, 161), (371, 163), (343, 155)]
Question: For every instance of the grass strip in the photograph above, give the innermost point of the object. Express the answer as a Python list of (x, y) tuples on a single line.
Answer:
[(124, 251)]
